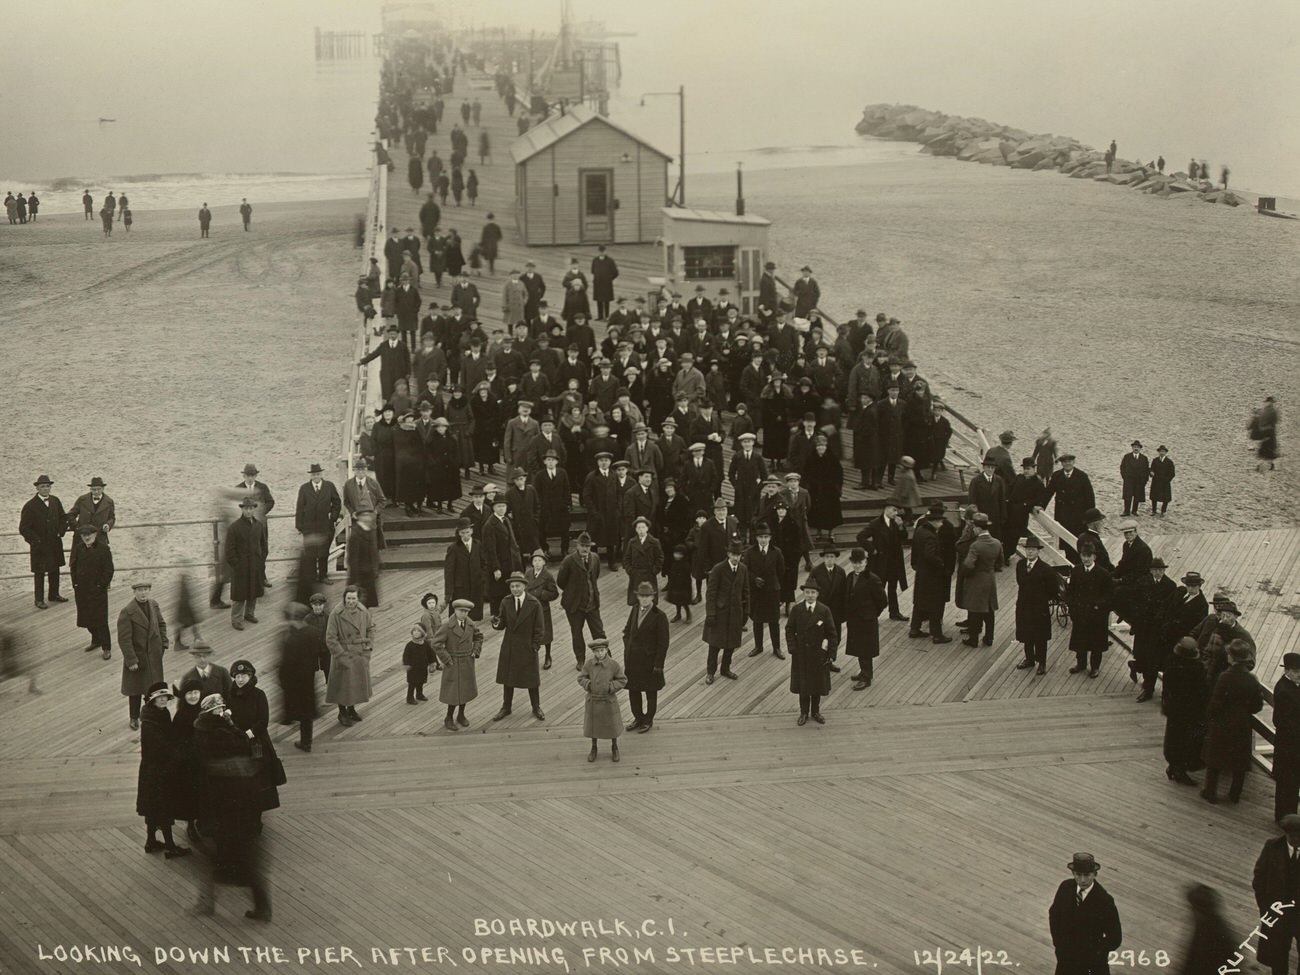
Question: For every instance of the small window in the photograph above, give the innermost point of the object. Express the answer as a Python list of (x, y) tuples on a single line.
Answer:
[(709, 263)]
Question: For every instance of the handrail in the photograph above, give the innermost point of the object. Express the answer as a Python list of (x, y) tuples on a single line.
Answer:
[(821, 313), (1054, 529)]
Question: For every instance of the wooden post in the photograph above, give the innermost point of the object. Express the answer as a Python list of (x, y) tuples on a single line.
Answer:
[(216, 548)]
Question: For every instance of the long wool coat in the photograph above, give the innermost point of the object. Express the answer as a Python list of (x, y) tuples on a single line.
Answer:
[(541, 586), (142, 640), (245, 557), (300, 654), (1183, 700), (824, 476), (931, 585), (1228, 738), (726, 605), (250, 711), (42, 526), (1037, 587), (92, 571), (645, 648), (349, 634), (1088, 595), (159, 756), (642, 562), (517, 659), (602, 680), (766, 573), (463, 576), (980, 564), (811, 639), (864, 601), (457, 648)]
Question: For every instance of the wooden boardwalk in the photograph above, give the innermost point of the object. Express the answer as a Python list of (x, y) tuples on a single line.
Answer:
[(888, 830)]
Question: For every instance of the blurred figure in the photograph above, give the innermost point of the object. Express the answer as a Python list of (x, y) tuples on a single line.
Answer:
[(91, 572), (1212, 942), (1263, 430), (187, 616), (301, 649), (246, 213), (16, 660)]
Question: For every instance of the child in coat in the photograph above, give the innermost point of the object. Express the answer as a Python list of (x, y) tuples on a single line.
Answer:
[(679, 583), (416, 658), (602, 678), (699, 571), (430, 620)]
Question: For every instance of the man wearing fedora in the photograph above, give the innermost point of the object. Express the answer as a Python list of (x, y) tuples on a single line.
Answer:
[(645, 647), (1084, 921), (94, 508), (988, 492), (91, 571), (1148, 599), (1185, 610), (767, 291), (1134, 471), (811, 637), (244, 557), (933, 568), (318, 509), (1286, 744), (807, 293), (519, 616), (1037, 585), (1183, 696), (727, 610), (1073, 492), (1088, 595), (1003, 466), (363, 557), (260, 493), (42, 524), (983, 559), (142, 638), (1277, 881)]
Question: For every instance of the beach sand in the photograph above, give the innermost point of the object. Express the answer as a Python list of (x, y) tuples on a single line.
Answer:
[(1032, 299), (163, 362)]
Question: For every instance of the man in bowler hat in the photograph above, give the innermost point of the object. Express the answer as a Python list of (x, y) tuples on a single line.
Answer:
[(42, 524), (1277, 879), (1084, 921)]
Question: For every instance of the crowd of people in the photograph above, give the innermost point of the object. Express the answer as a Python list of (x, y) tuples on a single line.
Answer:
[(21, 209)]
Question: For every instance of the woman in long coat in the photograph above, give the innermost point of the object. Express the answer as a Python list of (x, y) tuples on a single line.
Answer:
[(788, 537), (1229, 739), (186, 774), (457, 644), (1182, 702), (462, 429), (539, 583), (409, 451), (455, 253), (602, 677), (350, 635), (443, 473), (674, 519), (251, 714), (155, 786), (386, 451), (488, 425), (824, 475), (918, 427), (1162, 476)]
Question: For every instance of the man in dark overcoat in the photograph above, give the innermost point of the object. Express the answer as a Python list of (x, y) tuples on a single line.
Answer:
[(807, 293), (727, 610), (260, 492), (1277, 881), (988, 493), (600, 498), (1131, 572), (42, 524), (394, 361), (766, 567), (579, 596), (245, 556), (883, 540), (638, 501), (315, 515), (1186, 609), (810, 635), (1037, 584), (142, 638), (604, 271), (535, 287), (519, 616), (864, 601), (746, 476), (1150, 599), (1093, 519), (462, 574), (767, 292), (697, 477), (501, 556), (717, 534), (643, 558), (1027, 492), (94, 508), (645, 647), (1084, 921), (1073, 492), (830, 579), (933, 578), (1134, 472), (363, 557), (1088, 596), (1286, 745), (91, 570), (980, 590), (554, 496), (889, 439), (525, 512)]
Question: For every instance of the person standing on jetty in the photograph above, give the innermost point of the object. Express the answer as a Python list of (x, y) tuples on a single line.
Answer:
[(246, 213), (205, 220), (88, 204)]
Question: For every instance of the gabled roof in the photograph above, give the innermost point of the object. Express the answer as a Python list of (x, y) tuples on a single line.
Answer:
[(548, 133)]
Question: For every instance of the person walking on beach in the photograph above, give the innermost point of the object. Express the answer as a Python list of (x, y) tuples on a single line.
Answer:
[(490, 243), (246, 213), (106, 218), (471, 187), (1263, 430), (1134, 472), (33, 204), (88, 204), (1224, 173), (122, 204), (126, 218), (205, 220), (484, 148)]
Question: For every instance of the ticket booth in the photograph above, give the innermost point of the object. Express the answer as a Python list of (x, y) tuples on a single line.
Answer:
[(716, 249)]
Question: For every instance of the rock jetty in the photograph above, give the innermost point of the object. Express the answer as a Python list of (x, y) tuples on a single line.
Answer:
[(981, 141)]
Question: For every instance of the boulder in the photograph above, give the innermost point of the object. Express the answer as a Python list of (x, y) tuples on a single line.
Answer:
[(1027, 160), (1231, 199)]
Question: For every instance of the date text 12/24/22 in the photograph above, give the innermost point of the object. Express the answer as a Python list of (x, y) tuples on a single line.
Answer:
[(978, 959)]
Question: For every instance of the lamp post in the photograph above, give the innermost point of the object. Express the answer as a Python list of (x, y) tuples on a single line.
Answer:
[(680, 95)]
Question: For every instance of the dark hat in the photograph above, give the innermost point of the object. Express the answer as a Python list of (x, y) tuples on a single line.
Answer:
[(646, 589), (719, 503), (96, 481), (643, 470), (981, 520), (762, 528), (1006, 436), (880, 316), (1290, 823), (579, 314), (811, 583), (87, 529), (680, 549), (1193, 578), (805, 269), (317, 597), (550, 455), (517, 577), (1291, 661), (517, 473), (242, 667), (1064, 457), (857, 555), (539, 553), (248, 503), (359, 464), (364, 510), (583, 539), (249, 469), (476, 491), (1162, 449), (989, 460), (736, 548), (1028, 462), (1228, 606), (1186, 647), (157, 690), (1032, 541), (464, 523), (317, 469), (1091, 515), (1159, 563), (830, 550), (936, 510), (699, 288), (199, 649), (805, 381), (1136, 443), (1084, 863), (769, 266)]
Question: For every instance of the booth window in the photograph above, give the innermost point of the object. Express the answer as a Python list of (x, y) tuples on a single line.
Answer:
[(709, 263)]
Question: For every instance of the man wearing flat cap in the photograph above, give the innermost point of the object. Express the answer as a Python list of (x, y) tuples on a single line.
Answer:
[(94, 508), (91, 571), (42, 524), (1286, 745), (1084, 921), (142, 638), (1134, 471), (746, 476), (1277, 881), (811, 639), (727, 610), (1073, 492)]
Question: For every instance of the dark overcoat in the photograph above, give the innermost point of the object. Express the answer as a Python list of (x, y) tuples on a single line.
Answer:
[(824, 476), (579, 583), (301, 648), (1149, 600), (1182, 615), (1271, 885), (990, 497), (1084, 935), (245, 556), (92, 572), (1229, 741), (363, 563), (525, 514), (1036, 588), (864, 601), (603, 272), (1162, 475), (463, 576), (1286, 724), (457, 648), (766, 572), (541, 586), (885, 551), (726, 605), (645, 648), (1182, 700), (142, 640), (746, 476), (832, 580), (1088, 596), (931, 581), (600, 498), (42, 526), (317, 510), (500, 554), (1074, 496), (159, 757), (523, 632), (250, 711), (811, 639), (1135, 472), (642, 561)]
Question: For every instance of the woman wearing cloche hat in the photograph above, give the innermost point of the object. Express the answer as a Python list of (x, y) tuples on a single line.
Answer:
[(155, 796), (250, 713)]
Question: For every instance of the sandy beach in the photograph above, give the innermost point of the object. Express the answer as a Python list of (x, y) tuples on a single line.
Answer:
[(164, 363)]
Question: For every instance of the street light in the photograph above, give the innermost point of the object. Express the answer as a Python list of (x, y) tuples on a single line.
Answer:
[(680, 95)]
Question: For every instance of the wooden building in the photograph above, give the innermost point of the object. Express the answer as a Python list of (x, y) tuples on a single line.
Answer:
[(716, 249), (582, 179)]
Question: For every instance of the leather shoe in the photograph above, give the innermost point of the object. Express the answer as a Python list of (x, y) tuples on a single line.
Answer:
[(42, 604), (539, 714), (237, 624), (860, 685), (503, 713), (450, 724), (135, 724), (897, 618), (756, 652), (301, 747), (1076, 670), (248, 618), (258, 915), (591, 755), (1041, 670), (1211, 799), (1092, 673), (346, 720), (1145, 696), (819, 718), (729, 675), (1132, 672), (219, 604), (58, 599), (645, 727), (634, 725), (916, 634), (778, 654), (177, 851), (803, 720), (92, 648), (108, 654), (1024, 665), (708, 678), (970, 643), (613, 752), (941, 639), (833, 669), (462, 720), (356, 716)]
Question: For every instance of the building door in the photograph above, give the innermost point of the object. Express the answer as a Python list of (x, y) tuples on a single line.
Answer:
[(596, 205)]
